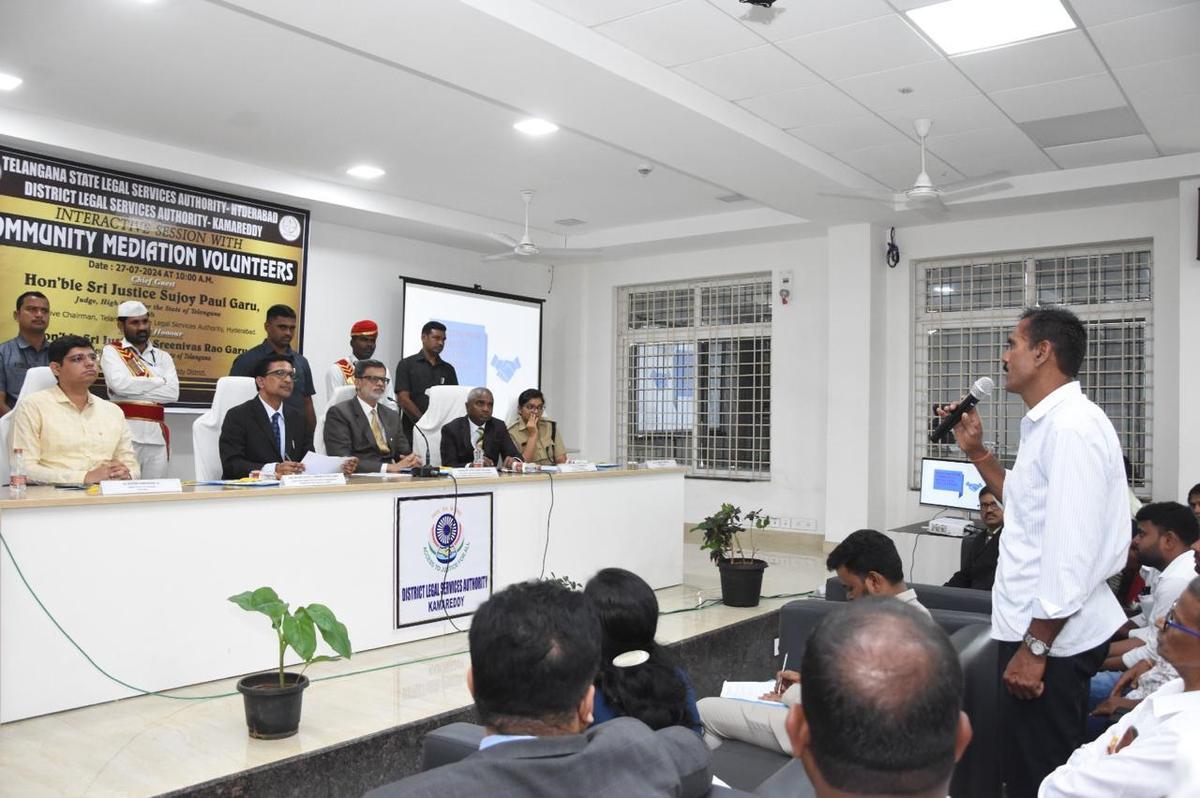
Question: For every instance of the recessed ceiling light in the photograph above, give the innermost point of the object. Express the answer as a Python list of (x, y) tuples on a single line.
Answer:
[(963, 26), (365, 171), (535, 127), (9, 82)]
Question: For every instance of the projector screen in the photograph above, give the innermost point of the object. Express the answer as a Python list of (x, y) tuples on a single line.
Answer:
[(950, 483), (492, 339)]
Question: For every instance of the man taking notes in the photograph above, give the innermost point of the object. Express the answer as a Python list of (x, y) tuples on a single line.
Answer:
[(67, 434), (365, 428), (141, 378)]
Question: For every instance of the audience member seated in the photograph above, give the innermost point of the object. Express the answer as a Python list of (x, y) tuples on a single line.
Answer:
[(1127, 584), (638, 678), (1138, 756), (367, 429), (265, 434), (535, 650), (868, 564), (981, 551), (1194, 499), (537, 438), (66, 433), (1166, 533), (883, 713), (477, 429)]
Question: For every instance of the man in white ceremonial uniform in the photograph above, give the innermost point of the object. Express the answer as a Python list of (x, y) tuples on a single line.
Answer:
[(363, 337), (141, 379)]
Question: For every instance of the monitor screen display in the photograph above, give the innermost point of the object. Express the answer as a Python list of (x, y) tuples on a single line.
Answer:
[(950, 483)]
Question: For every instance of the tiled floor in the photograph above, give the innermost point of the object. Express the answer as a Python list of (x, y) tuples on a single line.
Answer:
[(148, 745)]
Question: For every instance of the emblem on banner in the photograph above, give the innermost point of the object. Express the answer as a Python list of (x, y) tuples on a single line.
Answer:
[(446, 540), (289, 228)]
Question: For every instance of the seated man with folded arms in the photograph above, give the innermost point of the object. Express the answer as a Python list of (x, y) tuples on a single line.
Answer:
[(66, 433), (477, 430), (535, 650), (867, 564), (1138, 755), (365, 428), (537, 438), (884, 712)]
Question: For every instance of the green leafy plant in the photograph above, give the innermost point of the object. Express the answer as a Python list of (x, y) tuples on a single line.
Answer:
[(297, 629), (721, 530)]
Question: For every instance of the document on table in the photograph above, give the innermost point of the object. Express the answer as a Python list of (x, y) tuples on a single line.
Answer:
[(322, 464), (750, 691)]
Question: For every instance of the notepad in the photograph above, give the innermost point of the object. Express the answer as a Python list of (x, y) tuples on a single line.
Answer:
[(750, 691)]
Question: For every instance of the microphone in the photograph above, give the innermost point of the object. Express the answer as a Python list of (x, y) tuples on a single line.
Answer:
[(981, 388), (427, 469), (553, 433)]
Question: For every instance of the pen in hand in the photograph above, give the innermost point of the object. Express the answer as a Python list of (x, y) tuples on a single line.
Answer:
[(779, 677)]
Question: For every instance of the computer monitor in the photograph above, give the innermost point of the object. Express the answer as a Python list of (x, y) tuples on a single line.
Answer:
[(950, 483)]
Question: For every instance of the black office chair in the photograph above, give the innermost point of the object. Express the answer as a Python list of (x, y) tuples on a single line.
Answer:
[(978, 774), (934, 597)]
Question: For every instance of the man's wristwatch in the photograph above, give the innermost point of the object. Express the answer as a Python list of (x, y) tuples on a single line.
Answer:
[(1036, 647)]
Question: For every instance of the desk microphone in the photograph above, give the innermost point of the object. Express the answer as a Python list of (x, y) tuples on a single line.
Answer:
[(982, 387), (553, 433), (427, 469)]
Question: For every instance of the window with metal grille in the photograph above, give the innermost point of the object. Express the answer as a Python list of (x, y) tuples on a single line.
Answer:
[(693, 375), (964, 310)]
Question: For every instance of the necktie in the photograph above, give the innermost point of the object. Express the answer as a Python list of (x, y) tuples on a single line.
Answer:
[(278, 436), (380, 441), (479, 438)]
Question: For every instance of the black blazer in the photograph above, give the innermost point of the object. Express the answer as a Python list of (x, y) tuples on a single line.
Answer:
[(978, 558), (348, 434), (458, 448), (248, 443)]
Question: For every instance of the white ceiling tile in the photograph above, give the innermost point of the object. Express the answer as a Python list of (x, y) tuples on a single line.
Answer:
[(1098, 12), (930, 81), (680, 33), (872, 46), (1175, 127), (949, 116), (1058, 57), (978, 152), (850, 134), (897, 165), (1094, 153), (589, 12), (812, 105), (1160, 79), (785, 20), (1152, 37), (909, 5), (749, 73), (1060, 98)]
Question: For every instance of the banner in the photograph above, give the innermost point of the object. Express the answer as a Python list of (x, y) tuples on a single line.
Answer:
[(443, 557), (206, 265)]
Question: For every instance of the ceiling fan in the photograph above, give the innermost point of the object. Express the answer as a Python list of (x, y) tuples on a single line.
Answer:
[(526, 250), (926, 197)]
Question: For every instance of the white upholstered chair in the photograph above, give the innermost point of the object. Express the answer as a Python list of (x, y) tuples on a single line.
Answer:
[(340, 394), (206, 429), (37, 379), (446, 402)]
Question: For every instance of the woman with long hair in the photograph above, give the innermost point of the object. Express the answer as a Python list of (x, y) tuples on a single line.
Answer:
[(638, 678)]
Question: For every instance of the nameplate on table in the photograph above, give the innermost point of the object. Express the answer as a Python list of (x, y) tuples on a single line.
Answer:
[(130, 487), (576, 468), (661, 464), (473, 473), (311, 480)]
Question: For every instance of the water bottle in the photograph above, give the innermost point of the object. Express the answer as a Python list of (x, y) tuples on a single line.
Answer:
[(16, 485), (477, 462)]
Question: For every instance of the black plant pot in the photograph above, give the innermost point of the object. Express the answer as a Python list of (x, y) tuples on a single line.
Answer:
[(272, 712), (741, 581)]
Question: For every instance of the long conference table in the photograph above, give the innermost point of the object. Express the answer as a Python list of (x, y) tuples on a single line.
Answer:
[(141, 581)]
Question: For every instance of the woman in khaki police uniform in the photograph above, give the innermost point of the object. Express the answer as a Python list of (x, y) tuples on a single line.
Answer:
[(537, 438)]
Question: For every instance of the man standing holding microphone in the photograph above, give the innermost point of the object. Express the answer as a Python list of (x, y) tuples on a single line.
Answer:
[(1066, 531)]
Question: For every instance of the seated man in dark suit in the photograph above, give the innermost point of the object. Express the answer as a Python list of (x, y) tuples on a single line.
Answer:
[(883, 698), (477, 428), (981, 551), (264, 434), (367, 429), (535, 650)]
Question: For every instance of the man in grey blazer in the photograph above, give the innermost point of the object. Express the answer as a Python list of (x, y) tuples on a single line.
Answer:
[(535, 651), (366, 428)]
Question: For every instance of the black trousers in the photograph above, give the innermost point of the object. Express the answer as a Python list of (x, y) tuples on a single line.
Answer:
[(1040, 734)]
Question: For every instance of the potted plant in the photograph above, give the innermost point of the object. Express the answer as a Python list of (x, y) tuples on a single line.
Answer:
[(273, 698), (741, 576)]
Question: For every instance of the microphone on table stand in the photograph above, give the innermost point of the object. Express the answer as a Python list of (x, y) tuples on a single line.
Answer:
[(427, 469)]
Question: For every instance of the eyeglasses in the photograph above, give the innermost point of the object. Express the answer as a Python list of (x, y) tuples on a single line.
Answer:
[(283, 374), (1170, 621), (376, 380)]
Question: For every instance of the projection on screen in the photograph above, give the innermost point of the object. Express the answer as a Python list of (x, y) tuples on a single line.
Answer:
[(490, 340), (950, 483)]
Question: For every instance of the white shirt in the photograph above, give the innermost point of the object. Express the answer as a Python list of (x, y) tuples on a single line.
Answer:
[(1174, 579), (336, 378), (1066, 525), (268, 469), (1146, 768), (909, 597), (161, 386)]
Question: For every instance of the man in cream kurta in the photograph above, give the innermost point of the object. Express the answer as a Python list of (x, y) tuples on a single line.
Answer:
[(141, 378)]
